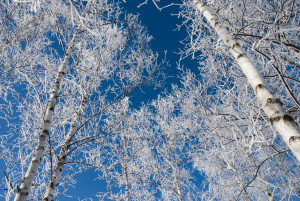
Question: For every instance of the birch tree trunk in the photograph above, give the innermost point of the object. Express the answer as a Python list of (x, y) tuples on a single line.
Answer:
[(63, 154), (27, 181), (125, 161), (283, 123), (23, 191)]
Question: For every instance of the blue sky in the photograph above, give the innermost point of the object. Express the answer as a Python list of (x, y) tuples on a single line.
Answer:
[(161, 25)]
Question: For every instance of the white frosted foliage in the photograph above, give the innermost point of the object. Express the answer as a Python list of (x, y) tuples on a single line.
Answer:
[(23, 191), (284, 124)]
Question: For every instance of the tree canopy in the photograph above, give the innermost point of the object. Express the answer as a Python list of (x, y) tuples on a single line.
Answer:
[(226, 130)]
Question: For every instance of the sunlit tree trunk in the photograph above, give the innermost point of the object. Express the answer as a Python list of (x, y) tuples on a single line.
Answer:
[(125, 162), (284, 123), (23, 191), (63, 154)]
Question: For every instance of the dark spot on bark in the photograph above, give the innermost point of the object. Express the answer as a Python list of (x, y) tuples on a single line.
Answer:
[(60, 169), (45, 199), (269, 194), (273, 101), (274, 119), (42, 137), (51, 184), (46, 131), (240, 55), (51, 108), (24, 194), (35, 161), (235, 45), (18, 189), (293, 139), (259, 86), (41, 148), (47, 121), (62, 73), (287, 117)]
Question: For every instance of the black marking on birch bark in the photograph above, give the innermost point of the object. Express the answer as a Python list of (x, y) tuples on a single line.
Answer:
[(235, 45), (275, 118), (258, 87), (61, 73), (60, 169), (18, 189), (288, 118), (271, 101), (24, 179), (51, 108), (46, 131), (198, 3), (240, 55), (47, 121), (35, 161), (293, 139), (51, 184), (42, 137), (41, 148), (216, 23), (24, 193)]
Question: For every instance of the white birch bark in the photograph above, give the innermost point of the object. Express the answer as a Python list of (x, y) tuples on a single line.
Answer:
[(64, 150), (63, 155), (27, 181), (125, 164), (283, 123)]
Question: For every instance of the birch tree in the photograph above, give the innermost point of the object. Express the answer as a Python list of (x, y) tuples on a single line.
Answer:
[(166, 137), (257, 27), (118, 159), (241, 157), (244, 158), (284, 123), (102, 57)]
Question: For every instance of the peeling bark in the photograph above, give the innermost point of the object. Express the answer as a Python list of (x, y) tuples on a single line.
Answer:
[(283, 123)]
